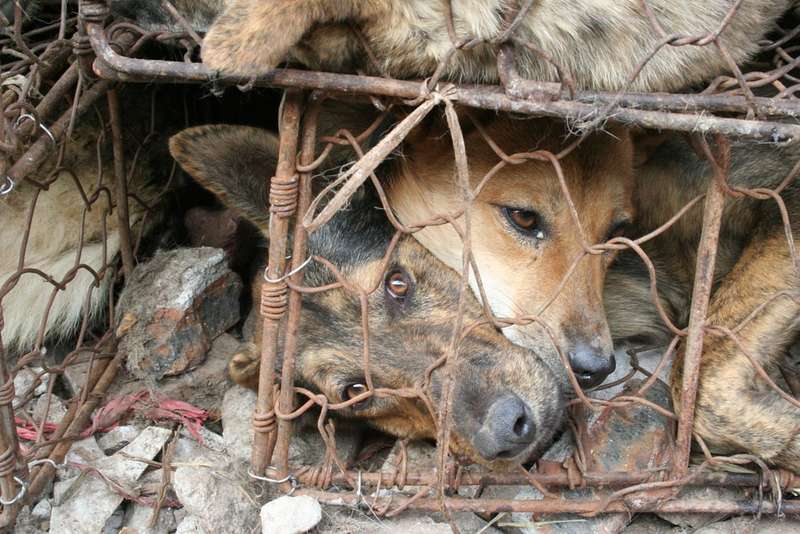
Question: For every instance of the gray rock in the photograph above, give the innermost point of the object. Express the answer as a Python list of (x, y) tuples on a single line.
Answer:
[(137, 520), (62, 489), (23, 383), (215, 494), (173, 307), (117, 438), (191, 525), (561, 450), (55, 411), (42, 510), (87, 507), (339, 520), (647, 360), (85, 451), (237, 414), (28, 524), (113, 524), (203, 386), (420, 456), (75, 376), (306, 447), (650, 524), (290, 515), (188, 449)]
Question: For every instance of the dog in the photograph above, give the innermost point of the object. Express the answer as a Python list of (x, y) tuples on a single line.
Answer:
[(755, 276), (599, 44), (61, 233), (507, 403)]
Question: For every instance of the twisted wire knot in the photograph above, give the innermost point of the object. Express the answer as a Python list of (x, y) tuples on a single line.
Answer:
[(274, 299), (283, 195), (7, 392), (264, 423)]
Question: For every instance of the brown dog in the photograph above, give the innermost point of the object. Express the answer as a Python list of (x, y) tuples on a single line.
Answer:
[(507, 404), (755, 293), (599, 43)]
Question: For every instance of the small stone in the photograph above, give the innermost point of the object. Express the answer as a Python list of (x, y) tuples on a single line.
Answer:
[(416, 523), (420, 457), (189, 450), (191, 525), (215, 494), (117, 438), (42, 510), (173, 307), (290, 515), (88, 504), (237, 415), (85, 451), (203, 387), (23, 382), (306, 447), (137, 520), (650, 524), (114, 523), (75, 376), (56, 410), (561, 450)]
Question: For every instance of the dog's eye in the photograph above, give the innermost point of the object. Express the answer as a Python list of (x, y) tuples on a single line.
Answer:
[(352, 391), (398, 284), (525, 221)]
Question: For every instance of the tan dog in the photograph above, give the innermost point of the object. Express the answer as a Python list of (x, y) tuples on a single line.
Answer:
[(599, 42), (74, 232), (737, 411)]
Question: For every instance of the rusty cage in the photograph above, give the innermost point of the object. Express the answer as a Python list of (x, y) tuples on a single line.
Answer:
[(105, 55)]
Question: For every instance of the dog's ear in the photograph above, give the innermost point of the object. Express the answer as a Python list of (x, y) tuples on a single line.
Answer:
[(253, 36), (233, 162)]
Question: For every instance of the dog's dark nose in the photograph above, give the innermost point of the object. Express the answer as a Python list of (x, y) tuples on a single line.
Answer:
[(591, 367), (507, 429)]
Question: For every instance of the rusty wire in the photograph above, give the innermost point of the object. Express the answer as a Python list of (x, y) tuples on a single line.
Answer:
[(728, 105)]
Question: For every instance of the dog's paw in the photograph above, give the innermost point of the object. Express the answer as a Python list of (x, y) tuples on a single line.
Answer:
[(245, 364)]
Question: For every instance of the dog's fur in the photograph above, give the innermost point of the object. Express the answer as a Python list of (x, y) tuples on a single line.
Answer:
[(520, 271), (405, 337), (736, 410), (65, 232), (600, 42)]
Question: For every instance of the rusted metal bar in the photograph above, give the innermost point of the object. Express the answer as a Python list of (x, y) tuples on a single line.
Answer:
[(38, 152), (577, 506), (550, 480), (286, 400), (111, 65), (283, 202), (123, 218), (9, 445), (701, 293)]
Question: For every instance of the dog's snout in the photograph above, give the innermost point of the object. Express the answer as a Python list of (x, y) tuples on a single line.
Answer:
[(507, 430), (590, 366)]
